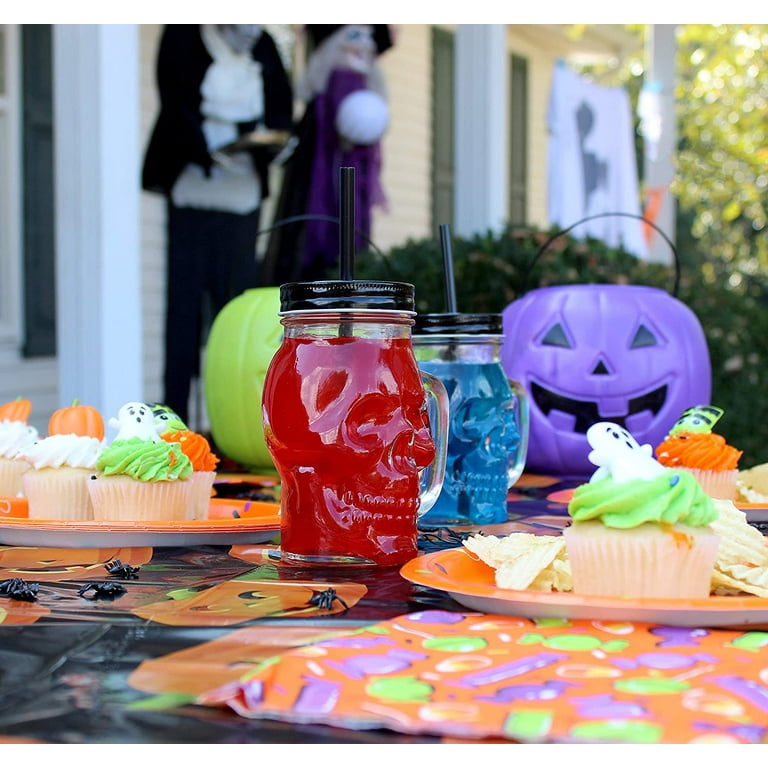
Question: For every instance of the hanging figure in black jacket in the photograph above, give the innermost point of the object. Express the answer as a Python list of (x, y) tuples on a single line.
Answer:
[(218, 84)]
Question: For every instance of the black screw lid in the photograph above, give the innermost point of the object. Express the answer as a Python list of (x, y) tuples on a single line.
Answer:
[(348, 294), (451, 323)]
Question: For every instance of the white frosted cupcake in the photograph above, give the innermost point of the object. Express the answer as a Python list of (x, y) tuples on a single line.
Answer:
[(638, 529), (56, 485), (15, 437), (140, 477)]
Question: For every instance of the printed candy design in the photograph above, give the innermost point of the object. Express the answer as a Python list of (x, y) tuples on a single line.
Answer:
[(479, 676)]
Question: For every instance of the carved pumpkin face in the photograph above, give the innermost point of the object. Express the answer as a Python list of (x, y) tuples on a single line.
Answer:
[(630, 354)]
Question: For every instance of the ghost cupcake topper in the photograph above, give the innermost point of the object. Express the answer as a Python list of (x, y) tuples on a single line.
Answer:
[(135, 420), (617, 454)]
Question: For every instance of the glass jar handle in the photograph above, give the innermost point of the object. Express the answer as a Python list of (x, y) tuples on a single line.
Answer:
[(432, 476), (522, 416)]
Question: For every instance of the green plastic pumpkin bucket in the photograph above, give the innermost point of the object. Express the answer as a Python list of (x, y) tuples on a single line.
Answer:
[(242, 341)]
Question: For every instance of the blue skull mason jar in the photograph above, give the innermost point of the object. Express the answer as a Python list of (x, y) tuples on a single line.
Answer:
[(488, 423)]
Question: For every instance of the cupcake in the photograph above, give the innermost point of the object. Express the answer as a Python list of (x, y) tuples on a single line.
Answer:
[(692, 445), (639, 529), (197, 449), (140, 477), (15, 436), (56, 485)]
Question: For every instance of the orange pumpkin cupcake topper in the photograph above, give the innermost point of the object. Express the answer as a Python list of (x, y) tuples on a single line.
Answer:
[(77, 419), (16, 410)]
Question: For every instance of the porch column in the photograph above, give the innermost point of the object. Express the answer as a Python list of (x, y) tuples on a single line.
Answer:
[(97, 171), (659, 205), (481, 143)]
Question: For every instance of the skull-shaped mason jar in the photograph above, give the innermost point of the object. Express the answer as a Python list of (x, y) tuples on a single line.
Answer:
[(488, 423), (357, 432)]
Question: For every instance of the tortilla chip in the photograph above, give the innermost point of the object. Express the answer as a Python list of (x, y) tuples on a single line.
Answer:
[(752, 484), (524, 560), (742, 556)]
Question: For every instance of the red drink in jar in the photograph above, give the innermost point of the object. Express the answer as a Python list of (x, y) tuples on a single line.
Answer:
[(346, 422)]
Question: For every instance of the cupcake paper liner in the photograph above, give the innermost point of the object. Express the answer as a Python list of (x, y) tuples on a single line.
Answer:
[(123, 498), (717, 485), (58, 494), (200, 495), (647, 561), (11, 471)]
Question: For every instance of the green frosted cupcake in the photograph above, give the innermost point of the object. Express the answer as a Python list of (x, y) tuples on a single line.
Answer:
[(139, 476), (639, 530)]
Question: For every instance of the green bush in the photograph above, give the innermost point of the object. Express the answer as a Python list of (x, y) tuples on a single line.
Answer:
[(492, 270)]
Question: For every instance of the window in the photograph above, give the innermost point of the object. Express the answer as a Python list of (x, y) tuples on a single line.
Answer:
[(10, 318), (442, 128), (27, 287), (443, 100), (38, 201), (518, 139)]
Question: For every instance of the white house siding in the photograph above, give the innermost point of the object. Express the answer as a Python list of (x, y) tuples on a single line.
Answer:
[(406, 147)]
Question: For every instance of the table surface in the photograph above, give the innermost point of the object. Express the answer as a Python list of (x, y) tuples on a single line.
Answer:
[(82, 669)]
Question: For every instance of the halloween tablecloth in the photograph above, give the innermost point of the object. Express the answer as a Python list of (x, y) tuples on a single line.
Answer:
[(205, 641), (479, 676)]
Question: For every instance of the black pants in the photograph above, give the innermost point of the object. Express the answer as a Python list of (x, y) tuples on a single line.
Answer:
[(211, 259)]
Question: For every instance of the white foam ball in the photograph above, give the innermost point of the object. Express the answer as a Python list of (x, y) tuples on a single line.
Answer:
[(362, 117)]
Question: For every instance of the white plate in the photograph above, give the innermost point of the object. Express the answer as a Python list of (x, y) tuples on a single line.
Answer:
[(470, 582)]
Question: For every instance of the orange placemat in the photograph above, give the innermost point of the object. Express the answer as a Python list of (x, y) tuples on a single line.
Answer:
[(484, 676)]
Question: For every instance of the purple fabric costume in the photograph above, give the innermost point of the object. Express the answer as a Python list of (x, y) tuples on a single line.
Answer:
[(321, 244)]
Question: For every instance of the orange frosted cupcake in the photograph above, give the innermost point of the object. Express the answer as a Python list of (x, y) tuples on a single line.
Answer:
[(692, 445), (198, 450)]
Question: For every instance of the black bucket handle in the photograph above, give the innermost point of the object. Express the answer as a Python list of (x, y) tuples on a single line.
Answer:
[(676, 286)]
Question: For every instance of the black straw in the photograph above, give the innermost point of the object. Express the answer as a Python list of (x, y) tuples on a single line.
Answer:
[(450, 283), (347, 224)]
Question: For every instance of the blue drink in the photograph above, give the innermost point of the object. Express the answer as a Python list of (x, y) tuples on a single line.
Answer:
[(488, 432)]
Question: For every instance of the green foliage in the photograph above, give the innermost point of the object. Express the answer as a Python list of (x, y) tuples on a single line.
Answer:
[(722, 99), (492, 270)]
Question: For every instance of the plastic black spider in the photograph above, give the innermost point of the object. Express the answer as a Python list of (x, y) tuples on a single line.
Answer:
[(106, 589), (116, 568), (326, 599), (18, 589)]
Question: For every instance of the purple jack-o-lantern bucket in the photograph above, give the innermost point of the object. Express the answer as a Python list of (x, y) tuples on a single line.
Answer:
[(631, 354)]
